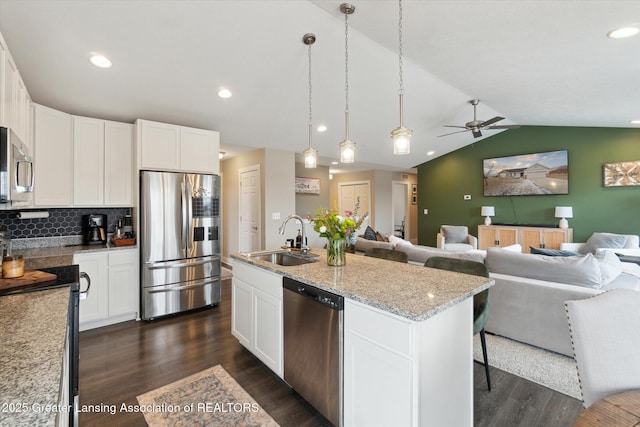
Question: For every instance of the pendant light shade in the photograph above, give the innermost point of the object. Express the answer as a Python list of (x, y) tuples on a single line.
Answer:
[(347, 147), (310, 155), (401, 136)]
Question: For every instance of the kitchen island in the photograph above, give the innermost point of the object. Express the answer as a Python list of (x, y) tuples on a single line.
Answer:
[(407, 336)]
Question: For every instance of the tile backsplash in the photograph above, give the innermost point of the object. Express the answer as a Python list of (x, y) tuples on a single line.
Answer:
[(61, 222)]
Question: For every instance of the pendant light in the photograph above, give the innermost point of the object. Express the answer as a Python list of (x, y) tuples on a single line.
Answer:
[(310, 155), (401, 136), (347, 147)]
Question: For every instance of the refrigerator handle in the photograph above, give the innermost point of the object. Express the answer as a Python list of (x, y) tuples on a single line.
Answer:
[(189, 217), (185, 239)]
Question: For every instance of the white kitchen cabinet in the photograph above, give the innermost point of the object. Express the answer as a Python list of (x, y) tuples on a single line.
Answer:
[(88, 161), (163, 146), (102, 158), (93, 307), (15, 103), (53, 155), (256, 313), (113, 296), (397, 372)]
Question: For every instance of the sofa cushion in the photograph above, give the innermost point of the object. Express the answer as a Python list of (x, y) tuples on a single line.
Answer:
[(457, 247), (603, 240), (420, 254), (610, 266), (575, 270), (455, 233), (552, 252), (395, 240), (369, 234)]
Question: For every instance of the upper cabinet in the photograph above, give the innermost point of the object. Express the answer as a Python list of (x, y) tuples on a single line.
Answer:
[(169, 147), (53, 156), (15, 102), (102, 162)]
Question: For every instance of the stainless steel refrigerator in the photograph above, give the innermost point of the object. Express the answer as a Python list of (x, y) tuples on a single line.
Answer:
[(179, 238)]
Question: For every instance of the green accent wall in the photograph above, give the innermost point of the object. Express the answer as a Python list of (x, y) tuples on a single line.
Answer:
[(442, 183)]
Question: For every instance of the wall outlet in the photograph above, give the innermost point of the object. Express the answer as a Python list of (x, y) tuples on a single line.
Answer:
[(467, 197), (426, 211), (275, 215)]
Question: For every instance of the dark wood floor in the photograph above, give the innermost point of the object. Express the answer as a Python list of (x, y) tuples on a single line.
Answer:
[(119, 362)]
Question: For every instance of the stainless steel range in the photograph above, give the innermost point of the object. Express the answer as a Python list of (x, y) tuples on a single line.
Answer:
[(179, 242)]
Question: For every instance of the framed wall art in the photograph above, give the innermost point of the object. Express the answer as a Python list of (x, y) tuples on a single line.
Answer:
[(307, 185), (621, 174), (527, 174)]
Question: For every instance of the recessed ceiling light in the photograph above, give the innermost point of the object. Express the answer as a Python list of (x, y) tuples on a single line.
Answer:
[(322, 128), (635, 122), (623, 33), (100, 61), (430, 153), (334, 163), (224, 93)]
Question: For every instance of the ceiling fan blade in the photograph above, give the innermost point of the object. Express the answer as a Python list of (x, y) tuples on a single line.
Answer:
[(454, 126), (460, 131), (476, 133), (504, 127), (491, 121)]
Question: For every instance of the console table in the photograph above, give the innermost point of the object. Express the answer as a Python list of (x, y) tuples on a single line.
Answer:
[(525, 236)]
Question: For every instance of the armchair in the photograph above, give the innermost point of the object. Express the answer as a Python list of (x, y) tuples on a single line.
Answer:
[(456, 238)]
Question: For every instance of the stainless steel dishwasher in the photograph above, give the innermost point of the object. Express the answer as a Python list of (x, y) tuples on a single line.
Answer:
[(313, 346)]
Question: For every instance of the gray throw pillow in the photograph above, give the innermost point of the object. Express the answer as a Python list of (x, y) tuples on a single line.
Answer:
[(610, 266), (455, 233), (603, 240), (370, 234)]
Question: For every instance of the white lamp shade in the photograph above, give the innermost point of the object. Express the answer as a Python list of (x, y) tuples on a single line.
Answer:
[(487, 211), (310, 158), (564, 212), (347, 151)]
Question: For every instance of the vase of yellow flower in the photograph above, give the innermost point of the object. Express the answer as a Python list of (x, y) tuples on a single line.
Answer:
[(339, 230)]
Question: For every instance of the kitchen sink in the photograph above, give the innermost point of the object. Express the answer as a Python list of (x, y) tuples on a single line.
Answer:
[(284, 258)]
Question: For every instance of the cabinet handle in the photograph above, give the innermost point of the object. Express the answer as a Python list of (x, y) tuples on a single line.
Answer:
[(84, 294)]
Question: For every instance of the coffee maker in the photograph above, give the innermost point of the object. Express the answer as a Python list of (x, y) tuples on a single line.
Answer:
[(94, 229)]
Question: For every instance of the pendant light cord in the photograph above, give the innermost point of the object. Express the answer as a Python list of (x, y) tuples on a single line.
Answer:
[(401, 91), (310, 92), (346, 76)]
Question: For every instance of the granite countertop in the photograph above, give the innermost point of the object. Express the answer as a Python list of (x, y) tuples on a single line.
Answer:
[(43, 257), (411, 291), (32, 338)]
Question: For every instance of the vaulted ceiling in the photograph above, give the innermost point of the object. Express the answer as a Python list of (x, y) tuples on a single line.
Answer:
[(532, 62)]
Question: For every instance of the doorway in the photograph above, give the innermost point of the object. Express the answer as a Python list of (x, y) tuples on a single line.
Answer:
[(348, 194), (400, 209), (249, 229)]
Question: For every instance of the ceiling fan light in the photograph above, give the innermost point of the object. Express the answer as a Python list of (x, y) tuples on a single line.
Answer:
[(310, 158), (401, 137), (347, 151)]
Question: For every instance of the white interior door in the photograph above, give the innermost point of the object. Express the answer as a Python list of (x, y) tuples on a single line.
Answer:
[(400, 208), (349, 192), (249, 222)]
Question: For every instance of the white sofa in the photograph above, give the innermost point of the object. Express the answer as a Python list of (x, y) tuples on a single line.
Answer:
[(527, 300), (630, 247)]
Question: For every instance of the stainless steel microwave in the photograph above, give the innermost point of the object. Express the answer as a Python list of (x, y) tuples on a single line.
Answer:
[(16, 169)]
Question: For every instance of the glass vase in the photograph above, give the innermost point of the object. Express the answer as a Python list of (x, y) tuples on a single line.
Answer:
[(336, 253)]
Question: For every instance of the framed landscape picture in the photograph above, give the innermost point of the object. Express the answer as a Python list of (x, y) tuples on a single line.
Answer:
[(622, 174), (307, 185), (527, 174)]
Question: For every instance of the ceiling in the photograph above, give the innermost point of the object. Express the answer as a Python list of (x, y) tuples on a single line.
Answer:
[(534, 62)]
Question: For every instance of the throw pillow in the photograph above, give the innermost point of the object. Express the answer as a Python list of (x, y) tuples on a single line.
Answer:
[(603, 240), (370, 233), (396, 240), (610, 266), (552, 252), (381, 238), (455, 233)]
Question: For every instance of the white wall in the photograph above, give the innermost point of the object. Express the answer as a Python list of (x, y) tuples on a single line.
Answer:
[(279, 196)]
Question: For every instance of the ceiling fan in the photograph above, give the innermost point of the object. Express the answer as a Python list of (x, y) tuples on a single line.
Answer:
[(476, 125)]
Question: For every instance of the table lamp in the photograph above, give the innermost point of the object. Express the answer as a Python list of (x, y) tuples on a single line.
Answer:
[(564, 212), (487, 212)]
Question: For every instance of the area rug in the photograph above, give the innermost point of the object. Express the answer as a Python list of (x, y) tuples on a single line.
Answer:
[(209, 398), (553, 370)]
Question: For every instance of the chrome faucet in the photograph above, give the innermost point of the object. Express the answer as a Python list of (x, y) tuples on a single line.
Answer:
[(303, 245)]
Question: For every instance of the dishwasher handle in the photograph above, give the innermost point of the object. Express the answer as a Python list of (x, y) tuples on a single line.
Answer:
[(321, 296)]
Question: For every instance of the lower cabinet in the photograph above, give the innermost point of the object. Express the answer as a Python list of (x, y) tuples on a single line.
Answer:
[(256, 313), (399, 372), (538, 237), (113, 296)]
